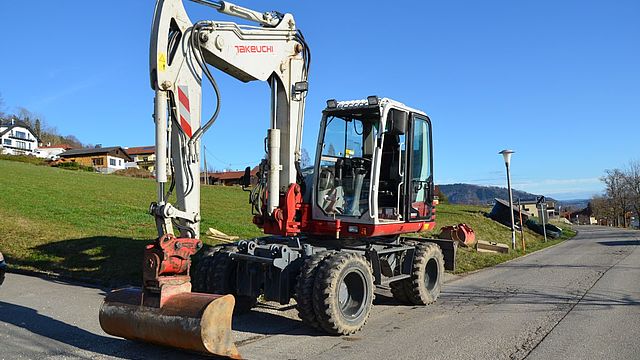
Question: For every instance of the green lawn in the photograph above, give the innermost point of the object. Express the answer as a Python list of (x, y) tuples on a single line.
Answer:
[(94, 227), (489, 230)]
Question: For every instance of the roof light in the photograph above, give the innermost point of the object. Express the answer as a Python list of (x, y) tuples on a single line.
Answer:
[(301, 86), (332, 104), (372, 100)]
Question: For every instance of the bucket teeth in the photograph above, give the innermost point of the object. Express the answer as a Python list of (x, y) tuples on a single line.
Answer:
[(190, 321)]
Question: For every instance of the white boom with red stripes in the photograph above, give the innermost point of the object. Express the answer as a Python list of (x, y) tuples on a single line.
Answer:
[(179, 54)]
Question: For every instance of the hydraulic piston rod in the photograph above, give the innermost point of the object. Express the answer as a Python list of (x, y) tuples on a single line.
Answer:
[(232, 9)]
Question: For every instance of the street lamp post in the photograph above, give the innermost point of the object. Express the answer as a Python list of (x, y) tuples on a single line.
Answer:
[(507, 161)]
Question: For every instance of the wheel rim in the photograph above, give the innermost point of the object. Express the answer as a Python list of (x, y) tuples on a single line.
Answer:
[(431, 274), (352, 294)]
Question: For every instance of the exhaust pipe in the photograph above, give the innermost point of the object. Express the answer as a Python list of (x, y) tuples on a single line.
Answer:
[(190, 321)]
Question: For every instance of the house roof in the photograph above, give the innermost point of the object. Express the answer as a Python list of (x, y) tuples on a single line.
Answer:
[(231, 175), (505, 203), (141, 150), (61, 146), (16, 123), (113, 150)]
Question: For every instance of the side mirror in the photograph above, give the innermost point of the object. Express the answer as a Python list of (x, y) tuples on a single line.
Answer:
[(399, 121), (245, 180)]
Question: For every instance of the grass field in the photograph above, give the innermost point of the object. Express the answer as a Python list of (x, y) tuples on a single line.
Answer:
[(94, 227)]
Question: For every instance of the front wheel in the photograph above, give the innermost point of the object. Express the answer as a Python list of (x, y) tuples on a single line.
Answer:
[(216, 274), (343, 293)]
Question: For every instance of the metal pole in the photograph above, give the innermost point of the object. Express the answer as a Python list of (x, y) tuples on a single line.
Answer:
[(513, 229), (521, 226), (544, 214), (206, 173)]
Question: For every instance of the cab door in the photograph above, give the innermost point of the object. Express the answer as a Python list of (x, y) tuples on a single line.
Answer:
[(420, 170)]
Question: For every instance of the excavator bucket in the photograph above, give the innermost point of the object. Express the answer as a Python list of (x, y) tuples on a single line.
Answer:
[(191, 321)]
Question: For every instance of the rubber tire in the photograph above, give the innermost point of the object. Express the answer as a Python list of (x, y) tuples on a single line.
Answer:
[(304, 288), (399, 291), (199, 270), (414, 290), (216, 274), (326, 293)]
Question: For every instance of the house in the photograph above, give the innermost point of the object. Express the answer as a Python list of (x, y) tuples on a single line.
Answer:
[(530, 206), (500, 213), (51, 152), (17, 138), (103, 159), (143, 156), (229, 178)]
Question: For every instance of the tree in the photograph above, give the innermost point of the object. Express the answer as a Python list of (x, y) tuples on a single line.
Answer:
[(616, 191), (631, 178), (2, 114), (442, 198), (27, 116), (602, 208), (305, 160), (38, 128)]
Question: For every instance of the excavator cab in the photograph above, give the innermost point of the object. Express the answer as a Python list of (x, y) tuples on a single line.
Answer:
[(364, 174)]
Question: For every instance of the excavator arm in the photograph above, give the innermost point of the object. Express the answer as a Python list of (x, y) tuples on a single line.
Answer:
[(274, 52), (164, 310)]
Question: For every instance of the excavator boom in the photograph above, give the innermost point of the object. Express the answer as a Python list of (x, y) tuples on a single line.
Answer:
[(164, 310)]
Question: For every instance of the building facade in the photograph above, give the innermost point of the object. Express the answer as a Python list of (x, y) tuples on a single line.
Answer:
[(532, 207), (105, 160), (51, 152), (17, 138), (143, 156)]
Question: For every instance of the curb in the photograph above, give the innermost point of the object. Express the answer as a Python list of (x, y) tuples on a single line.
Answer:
[(465, 274)]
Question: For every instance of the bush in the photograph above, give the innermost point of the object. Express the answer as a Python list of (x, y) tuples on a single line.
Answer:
[(29, 159), (133, 172), (74, 166)]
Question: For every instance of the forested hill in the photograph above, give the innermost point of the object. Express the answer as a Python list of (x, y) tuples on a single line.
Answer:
[(479, 195)]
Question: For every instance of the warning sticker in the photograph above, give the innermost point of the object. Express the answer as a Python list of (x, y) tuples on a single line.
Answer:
[(162, 62)]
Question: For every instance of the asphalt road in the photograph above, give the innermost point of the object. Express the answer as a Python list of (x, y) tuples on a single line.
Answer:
[(577, 300)]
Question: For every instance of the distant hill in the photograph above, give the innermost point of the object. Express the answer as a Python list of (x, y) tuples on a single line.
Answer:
[(480, 195), (574, 205)]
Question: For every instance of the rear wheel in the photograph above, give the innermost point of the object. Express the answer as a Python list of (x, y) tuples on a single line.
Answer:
[(216, 274), (343, 293), (423, 287)]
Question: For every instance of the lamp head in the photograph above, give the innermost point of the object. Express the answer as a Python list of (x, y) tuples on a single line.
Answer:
[(507, 155)]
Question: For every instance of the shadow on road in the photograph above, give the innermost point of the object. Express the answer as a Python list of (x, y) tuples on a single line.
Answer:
[(103, 260), (34, 322), (455, 296), (620, 243)]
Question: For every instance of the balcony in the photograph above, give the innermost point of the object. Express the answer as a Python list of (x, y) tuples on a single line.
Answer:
[(21, 139)]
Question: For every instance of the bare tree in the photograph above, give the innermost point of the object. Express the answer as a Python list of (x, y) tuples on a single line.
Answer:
[(305, 160), (616, 191), (27, 117), (2, 114), (602, 208), (632, 185)]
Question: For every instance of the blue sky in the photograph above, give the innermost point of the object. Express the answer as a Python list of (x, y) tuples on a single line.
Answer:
[(557, 81)]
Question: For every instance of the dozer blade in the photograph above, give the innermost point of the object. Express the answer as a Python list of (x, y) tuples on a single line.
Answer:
[(190, 321)]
